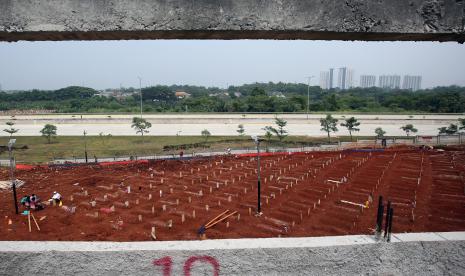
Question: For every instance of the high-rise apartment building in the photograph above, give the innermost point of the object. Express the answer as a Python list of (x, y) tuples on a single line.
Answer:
[(389, 81), (367, 81), (345, 78), (412, 82), (327, 79), (324, 80), (331, 78)]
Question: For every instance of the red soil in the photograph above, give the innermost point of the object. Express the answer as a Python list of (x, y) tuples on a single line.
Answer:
[(426, 188)]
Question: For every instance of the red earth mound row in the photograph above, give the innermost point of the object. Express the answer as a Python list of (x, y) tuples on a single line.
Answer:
[(306, 194)]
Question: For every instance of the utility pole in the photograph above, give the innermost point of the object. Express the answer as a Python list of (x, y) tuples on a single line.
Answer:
[(140, 94), (308, 94)]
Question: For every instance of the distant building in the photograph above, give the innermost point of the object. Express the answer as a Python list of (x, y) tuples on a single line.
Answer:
[(278, 94), (327, 79), (331, 78), (412, 83), (181, 94), (238, 94), (117, 94), (324, 80), (345, 78), (389, 81), (367, 81), (106, 94), (219, 94)]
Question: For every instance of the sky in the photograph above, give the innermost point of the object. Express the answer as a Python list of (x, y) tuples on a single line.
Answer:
[(111, 64)]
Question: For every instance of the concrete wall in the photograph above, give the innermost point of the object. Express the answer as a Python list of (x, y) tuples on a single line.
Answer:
[(433, 20), (408, 254)]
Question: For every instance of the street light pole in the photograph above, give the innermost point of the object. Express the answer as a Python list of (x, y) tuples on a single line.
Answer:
[(308, 95), (140, 93), (12, 173)]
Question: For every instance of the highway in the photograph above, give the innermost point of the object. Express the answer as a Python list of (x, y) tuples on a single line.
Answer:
[(221, 124)]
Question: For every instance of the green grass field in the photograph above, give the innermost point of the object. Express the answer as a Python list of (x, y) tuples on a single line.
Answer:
[(39, 151)]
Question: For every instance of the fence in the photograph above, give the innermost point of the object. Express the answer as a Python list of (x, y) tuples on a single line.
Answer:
[(455, 139)]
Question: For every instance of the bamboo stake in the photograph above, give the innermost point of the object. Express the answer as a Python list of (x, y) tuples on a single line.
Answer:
[(211, 221), (29, 220), (218, 221), (154, 237), (35, 221)]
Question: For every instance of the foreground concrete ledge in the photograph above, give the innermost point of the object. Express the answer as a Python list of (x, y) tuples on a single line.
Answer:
[(429, 20), (407, 254), (223, 244)]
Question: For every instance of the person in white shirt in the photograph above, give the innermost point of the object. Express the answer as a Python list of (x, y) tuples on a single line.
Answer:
[(56, 197)]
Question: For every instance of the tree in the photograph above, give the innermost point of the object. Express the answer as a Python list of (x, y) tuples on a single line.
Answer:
[(330, 103), (256, 91), (157, 93), (462, 123), (280, 132), (442, 130), (328, 124), (205, 133), (379, 132), (11, 130), (140, 125), (240, 130), (268, 136), (409, 128), (452, 129), (351, 125), (49, 131)]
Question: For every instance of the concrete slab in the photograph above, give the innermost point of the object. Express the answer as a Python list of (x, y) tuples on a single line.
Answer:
[(410, 237), (223, 244), (343, 255), (452, 236), (430, 236), (381, 20)]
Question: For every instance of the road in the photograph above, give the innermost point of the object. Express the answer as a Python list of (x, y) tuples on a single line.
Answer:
[(221, 124)]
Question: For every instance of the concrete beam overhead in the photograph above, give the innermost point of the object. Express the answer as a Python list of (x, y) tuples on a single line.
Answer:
[(390, 20)]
